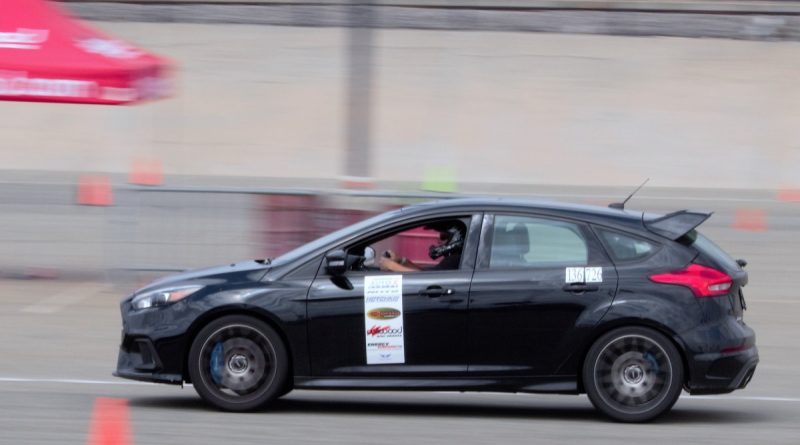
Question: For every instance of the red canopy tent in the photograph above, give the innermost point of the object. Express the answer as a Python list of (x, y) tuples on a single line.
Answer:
[(47, 56)]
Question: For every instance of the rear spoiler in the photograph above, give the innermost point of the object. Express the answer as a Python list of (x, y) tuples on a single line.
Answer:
[(676, 224)]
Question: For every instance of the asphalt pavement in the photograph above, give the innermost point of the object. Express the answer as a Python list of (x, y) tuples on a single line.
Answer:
[(60, 340)]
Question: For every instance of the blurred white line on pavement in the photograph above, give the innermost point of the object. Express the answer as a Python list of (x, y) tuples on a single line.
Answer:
[(683, 396), (70, 381), (69, 296), (122, 382), (753, 398)]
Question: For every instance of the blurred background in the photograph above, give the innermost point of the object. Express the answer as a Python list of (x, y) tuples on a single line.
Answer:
[(288, 119), (305, 100)]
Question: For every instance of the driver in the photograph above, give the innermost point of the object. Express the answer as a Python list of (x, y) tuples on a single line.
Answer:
[(451, 242)]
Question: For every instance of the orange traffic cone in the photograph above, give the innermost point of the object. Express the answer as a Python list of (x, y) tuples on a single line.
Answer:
[(146, 172), (789, 195), (110, 424), (94, 190), (356, 183), (754, 220)]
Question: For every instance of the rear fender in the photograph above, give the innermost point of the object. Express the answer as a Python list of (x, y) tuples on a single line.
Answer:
[(658, 314)]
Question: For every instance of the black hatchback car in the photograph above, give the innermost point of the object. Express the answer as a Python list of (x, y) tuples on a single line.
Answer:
[(512, 296)]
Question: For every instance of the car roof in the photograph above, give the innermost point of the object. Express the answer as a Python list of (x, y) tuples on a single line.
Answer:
[(625, 219), (590, 213)]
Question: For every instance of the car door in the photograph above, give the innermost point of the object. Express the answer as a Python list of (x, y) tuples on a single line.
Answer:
[(540, 283), (431, 330)]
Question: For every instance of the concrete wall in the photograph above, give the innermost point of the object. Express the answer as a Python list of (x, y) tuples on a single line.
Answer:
[(749, 20), (484, 106)]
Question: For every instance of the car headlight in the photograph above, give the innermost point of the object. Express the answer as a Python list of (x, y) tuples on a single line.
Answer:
[(163, 297)]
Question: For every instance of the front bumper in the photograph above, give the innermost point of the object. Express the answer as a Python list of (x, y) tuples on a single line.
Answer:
[(153, 345), (138, 359)]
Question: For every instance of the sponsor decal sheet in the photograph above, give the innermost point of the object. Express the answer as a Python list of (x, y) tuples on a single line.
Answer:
[(383, 319)]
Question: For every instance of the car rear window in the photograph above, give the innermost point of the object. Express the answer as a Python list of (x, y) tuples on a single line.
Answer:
[(625, 247), (707, 247)]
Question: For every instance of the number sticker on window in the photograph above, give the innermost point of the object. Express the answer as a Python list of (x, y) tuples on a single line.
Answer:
[(583, 275)]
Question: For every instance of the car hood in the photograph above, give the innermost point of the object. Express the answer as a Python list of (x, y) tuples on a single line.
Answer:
[(211, 275)]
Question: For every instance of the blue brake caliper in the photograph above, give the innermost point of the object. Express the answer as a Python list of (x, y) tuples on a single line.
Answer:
[(653, 362), (216, 363)]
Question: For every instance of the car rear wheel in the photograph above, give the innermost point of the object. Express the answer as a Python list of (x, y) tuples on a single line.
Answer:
[(238, 363), (633, 374)]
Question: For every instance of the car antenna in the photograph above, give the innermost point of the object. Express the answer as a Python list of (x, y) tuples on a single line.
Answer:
[(621, 205)]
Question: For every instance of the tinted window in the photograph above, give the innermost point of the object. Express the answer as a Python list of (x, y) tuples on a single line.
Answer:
[(626, 247), (519, 241)]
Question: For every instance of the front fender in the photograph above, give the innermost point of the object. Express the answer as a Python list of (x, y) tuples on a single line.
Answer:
[(282, 307)]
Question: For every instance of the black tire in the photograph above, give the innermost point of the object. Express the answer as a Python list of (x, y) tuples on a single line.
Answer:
[(633, 374), (238, 363)]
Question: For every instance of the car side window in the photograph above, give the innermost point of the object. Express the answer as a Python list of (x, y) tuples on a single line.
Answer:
[(527, 242), (624, 247), (433, 245)]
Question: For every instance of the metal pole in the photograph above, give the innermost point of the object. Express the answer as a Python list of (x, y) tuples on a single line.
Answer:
[(359, 91)]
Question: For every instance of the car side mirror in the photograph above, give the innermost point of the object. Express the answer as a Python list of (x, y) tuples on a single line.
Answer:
[(336, 262), (369, 257)]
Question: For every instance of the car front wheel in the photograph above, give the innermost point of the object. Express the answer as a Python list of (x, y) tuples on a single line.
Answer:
[(633, 374), (238, 363)]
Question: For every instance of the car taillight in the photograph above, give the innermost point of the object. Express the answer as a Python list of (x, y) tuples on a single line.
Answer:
[(703, 281)]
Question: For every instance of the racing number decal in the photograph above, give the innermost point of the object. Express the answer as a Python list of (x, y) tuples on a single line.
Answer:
[(583, 275)]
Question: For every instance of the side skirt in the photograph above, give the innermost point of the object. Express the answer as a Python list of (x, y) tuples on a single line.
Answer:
[(560, 385)]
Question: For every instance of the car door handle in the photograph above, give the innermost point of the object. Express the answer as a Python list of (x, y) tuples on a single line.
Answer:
[(581, 287), (436, 291)]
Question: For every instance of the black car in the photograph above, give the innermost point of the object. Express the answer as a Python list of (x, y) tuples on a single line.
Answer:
[(480, 295)]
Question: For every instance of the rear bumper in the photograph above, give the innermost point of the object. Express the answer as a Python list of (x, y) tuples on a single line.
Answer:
[(720, 373)]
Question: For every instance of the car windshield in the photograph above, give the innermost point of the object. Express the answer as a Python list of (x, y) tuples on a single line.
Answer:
[(321, 242)]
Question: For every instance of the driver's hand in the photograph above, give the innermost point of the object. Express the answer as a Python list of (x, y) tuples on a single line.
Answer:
[(385, 262)]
